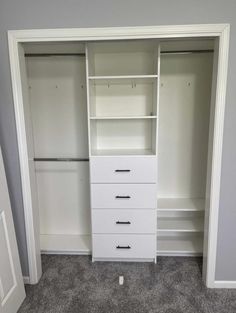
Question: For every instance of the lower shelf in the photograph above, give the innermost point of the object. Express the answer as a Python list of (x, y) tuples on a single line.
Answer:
[(180, 245), (65, 244), (81, 245)]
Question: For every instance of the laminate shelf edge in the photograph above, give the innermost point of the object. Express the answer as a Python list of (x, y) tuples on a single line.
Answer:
[(122, 117), (121, 77)]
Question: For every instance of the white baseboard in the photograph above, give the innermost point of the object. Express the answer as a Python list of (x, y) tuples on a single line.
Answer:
[(231, 284), (26, 280)]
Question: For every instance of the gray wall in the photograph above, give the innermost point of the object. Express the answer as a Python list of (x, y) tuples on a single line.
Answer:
[(86, 13)]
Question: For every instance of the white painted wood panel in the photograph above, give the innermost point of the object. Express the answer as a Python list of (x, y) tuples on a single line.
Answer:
[(124, 221), (122, 58), (180, 204), (12, 291), (57, 91), (65, 244), (131, 246), (139, 169), (183, 224), (185, 93), (122, 98), (63, 196), (123, 134), (126, 196), (179, 245)]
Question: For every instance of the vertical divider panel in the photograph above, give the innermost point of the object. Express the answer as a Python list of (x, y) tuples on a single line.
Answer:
[(88, 95)]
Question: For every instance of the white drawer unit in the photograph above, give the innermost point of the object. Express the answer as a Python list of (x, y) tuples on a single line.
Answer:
[(118, 247), (119, 221), (123, 169), (126, 196)]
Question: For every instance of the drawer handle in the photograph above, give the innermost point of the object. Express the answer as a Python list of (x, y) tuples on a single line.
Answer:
[(123, 197), (123, 223), (122, 171), (123, 247)]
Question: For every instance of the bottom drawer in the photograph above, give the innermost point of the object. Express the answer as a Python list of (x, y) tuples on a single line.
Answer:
[(124, 246)]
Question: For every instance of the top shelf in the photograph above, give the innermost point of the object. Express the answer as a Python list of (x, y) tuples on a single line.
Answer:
[(122, 77)]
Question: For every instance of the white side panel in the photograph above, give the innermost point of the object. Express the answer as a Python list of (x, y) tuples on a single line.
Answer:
[(126, 196), (32, 219), (185, 93), (12, 291)]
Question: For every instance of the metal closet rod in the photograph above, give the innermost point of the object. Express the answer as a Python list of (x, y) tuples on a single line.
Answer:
[(61, 159), (187, 51), (53, 54)]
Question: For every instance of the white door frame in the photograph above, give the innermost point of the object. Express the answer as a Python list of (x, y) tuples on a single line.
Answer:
[(220, 31)]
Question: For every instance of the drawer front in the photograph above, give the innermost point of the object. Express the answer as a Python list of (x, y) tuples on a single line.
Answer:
[(106, 221), (124, 246), (123, 196), (123, 169)]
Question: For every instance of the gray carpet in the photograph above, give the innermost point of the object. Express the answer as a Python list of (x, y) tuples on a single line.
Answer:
[(73, 284)]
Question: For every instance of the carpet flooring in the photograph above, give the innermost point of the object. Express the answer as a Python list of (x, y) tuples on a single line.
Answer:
[(73, 284)]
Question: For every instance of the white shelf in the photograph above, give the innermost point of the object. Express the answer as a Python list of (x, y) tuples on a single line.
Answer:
[(114, 77), (180, 224), (123, 117), (65, 244), (178, 204), (118, 152), (182, 245)]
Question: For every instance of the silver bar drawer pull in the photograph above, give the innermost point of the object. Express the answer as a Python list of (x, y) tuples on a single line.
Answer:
[(122, 171), (123, 247), (123, 197), (123, 223)]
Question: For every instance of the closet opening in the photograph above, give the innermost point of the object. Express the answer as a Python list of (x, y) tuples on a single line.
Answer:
[(138, 99)]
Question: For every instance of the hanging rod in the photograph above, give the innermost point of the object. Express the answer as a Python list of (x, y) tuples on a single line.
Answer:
[(61, 159), (53, 54), (187, 51)]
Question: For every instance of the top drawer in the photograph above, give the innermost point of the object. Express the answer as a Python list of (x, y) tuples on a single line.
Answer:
[(123, 169)]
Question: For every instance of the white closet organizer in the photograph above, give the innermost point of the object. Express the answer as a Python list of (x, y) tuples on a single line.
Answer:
[(138, 111), (122, 80)]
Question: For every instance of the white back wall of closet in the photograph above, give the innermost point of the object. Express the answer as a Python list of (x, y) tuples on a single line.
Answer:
[(57, 96), (185, 93)]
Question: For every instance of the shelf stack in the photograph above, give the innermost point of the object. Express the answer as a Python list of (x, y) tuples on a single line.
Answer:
[(122, 80)]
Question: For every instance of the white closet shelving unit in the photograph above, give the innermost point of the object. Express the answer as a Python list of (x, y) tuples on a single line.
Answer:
[(123, 96), (141, 118)]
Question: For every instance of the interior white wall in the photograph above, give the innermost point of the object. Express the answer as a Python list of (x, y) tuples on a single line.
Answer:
[(58, 114), (185, 95)]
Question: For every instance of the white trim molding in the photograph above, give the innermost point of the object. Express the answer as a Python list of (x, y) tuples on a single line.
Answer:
[(220, 31), (26, 280), (225, 284)]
